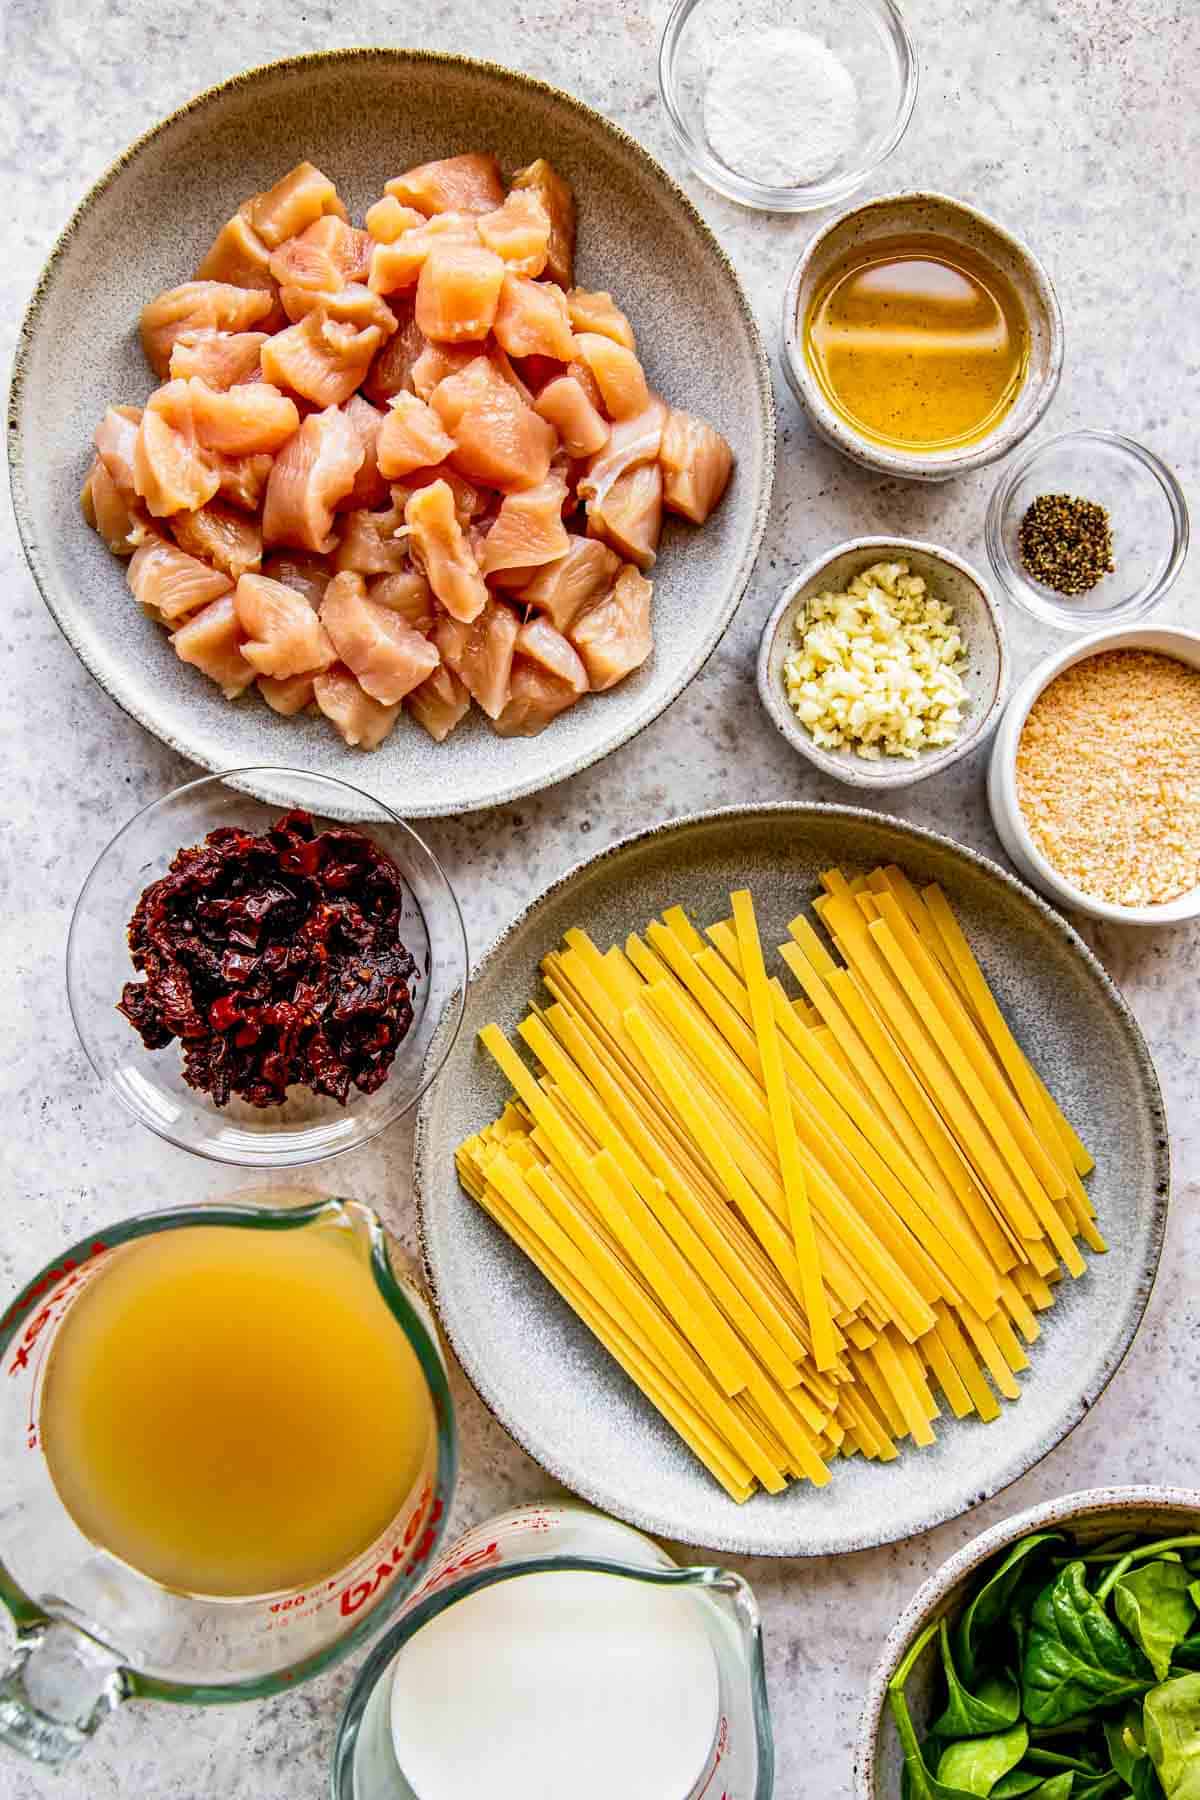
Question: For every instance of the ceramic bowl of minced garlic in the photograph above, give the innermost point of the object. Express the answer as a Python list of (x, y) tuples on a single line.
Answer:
[(884, 662)]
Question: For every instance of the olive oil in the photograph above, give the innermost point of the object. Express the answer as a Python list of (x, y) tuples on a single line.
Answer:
[(918, 342)]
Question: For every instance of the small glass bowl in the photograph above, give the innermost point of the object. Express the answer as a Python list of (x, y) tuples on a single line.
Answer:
[(149, 1083), (869, 37), (1146, 508)]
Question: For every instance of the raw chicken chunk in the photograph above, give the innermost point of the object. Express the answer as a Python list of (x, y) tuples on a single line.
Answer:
[(115, 438), (313, 472), (437, 544), (458, 292), (411, 437), (289, 695), (469, 500), (398, 265), (321, 359), (470, 183), (532, 319), (198, 306), (633, 441), (370, 490), (391, 372), (618, 375), (481, 653), (519, 231), (297, 201), (118, 520), (528, 531), (535, 698), (409, 596), (388, 657), (387, 220), (284, 636), (211, 642), (170, 471), (613, 635), (564, 588), (251, 419), (223, 359), (222, 535), (306, 575), (581, 429), (369, 544), (543, 179), (696, 462), (435, 362), (243, 479), (325, 256), (170, 584), (361, 721), (498, 438), (544, 645), (238, 256), (630, 515), (354, 305), (440, 703), (599, 312)]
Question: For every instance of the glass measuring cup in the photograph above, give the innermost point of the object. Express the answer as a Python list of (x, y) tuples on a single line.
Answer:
[(557, 1537), (81, 1630)]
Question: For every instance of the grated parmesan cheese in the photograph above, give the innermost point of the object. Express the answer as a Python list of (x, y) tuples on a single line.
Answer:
[(876, 668)]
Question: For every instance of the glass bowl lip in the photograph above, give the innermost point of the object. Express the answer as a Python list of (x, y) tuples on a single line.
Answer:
[(762, 196), (302, 1148), (1030, 598), (246, 1210), (422, 1611)]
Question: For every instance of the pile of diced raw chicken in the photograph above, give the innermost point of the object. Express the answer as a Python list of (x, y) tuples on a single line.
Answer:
[(409, 466)]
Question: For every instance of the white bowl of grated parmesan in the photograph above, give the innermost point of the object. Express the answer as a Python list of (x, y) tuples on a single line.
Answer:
[(885, 662), (1094, 778)]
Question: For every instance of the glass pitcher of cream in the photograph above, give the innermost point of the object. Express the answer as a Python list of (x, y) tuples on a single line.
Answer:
[(227, 1452), (554, 1651)]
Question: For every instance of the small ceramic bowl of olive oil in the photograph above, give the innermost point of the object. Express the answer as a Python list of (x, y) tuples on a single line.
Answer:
[(923, 338)]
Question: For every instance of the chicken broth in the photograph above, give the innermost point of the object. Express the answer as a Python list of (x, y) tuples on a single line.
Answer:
[(918, 342), (233, 1411)]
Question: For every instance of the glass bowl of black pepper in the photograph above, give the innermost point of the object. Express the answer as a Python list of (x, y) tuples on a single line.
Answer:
[(267, 984), (1087, 529)]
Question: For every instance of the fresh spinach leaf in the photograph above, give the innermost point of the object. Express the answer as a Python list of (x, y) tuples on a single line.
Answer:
[(918, 1782), (1016, 1782), (1154, 1605), (1145, 1783), (1187, 1654), (976, 1764), (1172, 1717), (993, 1708), (1059, 1787), (1124, 1739), (1059, 1759), (1097, 1787), (1194, 1593), (1076, 1659), (990, 1604)]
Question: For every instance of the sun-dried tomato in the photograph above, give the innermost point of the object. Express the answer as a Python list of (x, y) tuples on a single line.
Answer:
[(276, 961)]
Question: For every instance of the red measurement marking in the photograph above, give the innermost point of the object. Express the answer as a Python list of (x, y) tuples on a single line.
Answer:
[(402, 1554), (49, 1280)]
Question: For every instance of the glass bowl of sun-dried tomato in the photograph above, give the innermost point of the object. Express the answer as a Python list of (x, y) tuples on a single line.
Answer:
[(267, 984)]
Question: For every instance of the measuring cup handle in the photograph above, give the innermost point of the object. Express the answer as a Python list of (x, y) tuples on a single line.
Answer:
[(57, 1687)]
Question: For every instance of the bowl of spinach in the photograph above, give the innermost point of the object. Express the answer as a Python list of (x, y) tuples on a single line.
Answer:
[(1056, 1657)]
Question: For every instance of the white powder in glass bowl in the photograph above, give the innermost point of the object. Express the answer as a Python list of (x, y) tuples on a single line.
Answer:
[(782, 109)]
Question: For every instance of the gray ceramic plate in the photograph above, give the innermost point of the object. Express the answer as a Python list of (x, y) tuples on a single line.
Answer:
[(557, 1391), (362, 116)]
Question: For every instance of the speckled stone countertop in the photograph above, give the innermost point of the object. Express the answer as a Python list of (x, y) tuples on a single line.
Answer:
[(1072, 119)]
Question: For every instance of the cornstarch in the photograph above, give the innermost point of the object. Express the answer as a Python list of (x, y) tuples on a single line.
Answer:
[(782, 109)]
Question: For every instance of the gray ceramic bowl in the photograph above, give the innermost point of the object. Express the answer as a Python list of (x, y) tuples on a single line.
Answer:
[(363, 115), (543, 1374), (1093, 1513), (976, 614), (919, 211)]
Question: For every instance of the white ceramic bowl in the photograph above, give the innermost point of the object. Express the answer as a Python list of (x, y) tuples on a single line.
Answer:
[(1007, 817), (976, 614), (1093, 1513), (937, 215)]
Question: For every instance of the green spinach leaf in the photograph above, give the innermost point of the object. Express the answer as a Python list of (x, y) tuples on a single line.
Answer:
[(1076, 1659), (976, 1764), (1153, 1604), (1124, 1739), (1145, 1783), (1059, 1787), (991, 1602), (1187, 1654), (1016, 1782), (995, 1707), (918, 1782), (1172, 1717)]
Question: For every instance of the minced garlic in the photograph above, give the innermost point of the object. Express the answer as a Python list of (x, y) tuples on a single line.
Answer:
[(875, 670)]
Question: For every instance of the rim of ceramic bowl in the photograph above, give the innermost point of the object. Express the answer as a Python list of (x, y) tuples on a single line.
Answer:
[(916, 466), (759, 512), (763, 196), (300, 1151), (874, 777), (969, 1557), (1036, 601), (1004, 803)]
